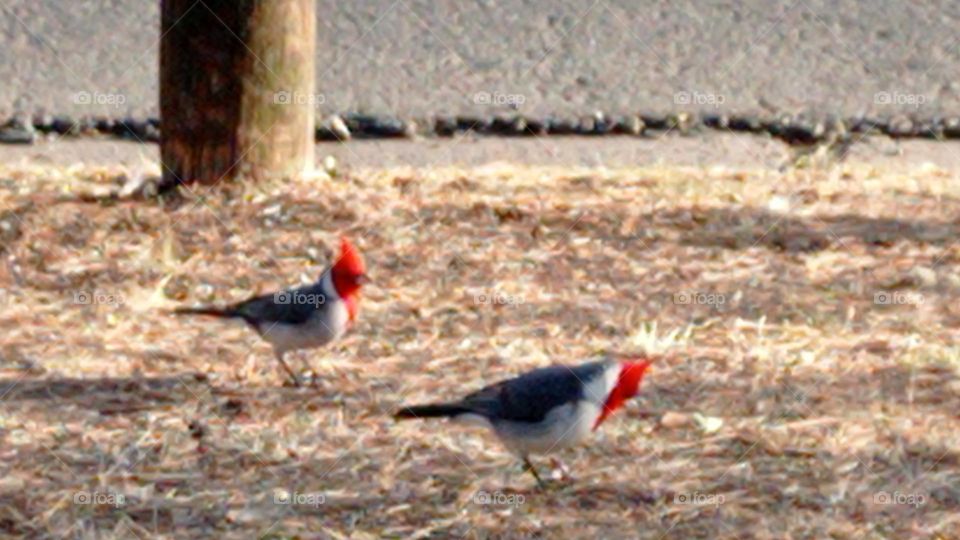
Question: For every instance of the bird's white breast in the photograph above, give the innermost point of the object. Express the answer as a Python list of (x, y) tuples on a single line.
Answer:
[(564, 426)]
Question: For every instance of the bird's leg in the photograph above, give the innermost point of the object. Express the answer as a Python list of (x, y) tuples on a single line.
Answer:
[(293, 376), (527, 466)]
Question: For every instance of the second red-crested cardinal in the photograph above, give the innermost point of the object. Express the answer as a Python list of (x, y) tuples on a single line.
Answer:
[(546, 409), (304, 318)]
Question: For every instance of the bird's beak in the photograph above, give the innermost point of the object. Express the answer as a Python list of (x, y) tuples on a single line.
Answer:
[(364, 279)]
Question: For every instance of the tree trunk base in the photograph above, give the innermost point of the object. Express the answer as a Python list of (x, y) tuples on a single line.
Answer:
[(237, 94)]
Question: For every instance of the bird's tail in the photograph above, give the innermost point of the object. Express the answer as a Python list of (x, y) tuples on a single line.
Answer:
[(435, 410), (207, 310)]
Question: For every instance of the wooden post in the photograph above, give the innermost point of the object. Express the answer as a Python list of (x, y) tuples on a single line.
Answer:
[(237, 94)]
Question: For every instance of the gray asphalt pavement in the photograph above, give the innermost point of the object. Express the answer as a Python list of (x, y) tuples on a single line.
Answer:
[(417, 58)]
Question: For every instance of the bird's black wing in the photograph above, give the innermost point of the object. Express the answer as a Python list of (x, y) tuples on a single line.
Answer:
[(529, 397), (292, 306)]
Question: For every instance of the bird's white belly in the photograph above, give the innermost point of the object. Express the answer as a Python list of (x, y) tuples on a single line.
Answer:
[(322, 328), (562, 427)]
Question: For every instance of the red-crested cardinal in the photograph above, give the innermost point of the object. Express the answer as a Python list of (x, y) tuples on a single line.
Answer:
[(545, 409), (303, 318)]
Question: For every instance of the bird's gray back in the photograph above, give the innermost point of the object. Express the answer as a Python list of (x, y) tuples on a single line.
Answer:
[(291, 306), (531, 396)]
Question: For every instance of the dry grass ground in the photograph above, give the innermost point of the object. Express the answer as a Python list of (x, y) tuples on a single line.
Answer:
[(791, 398)]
